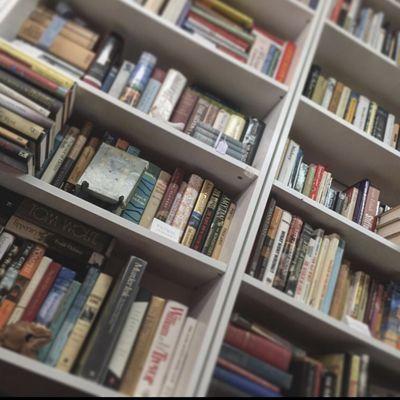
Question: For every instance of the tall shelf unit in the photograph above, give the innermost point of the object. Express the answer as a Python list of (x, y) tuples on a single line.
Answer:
[(174, 270), (351, 155)]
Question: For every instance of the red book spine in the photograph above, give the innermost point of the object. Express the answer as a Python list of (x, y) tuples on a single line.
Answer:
[(41, 292), (228, 36), (185, 107), (286, 61), (257, 346), (232, 54), (248, 375), (11, 64), (336, 10), (170, 194), (317, 181)]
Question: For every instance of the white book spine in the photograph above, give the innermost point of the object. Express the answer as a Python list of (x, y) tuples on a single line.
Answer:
[(321, 186), (381, 40), (179, 358), (329, 92), (367, 27), (389, 129), (161, 350), (168, 96), (300, 287), (127, 338), (288, 164), (360, 118), (221, 121), (122, 78), (277, 248), (173, 10), (6, 240), (154, 5), (30, 290)]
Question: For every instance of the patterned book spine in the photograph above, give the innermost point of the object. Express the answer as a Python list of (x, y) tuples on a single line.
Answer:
[(55, 221), (152, 88), (380, 124), (73, 155), (84, 323), (121, 79), (187, 203), (162, 349), (216, 225), (168, 96), (142, 193), (170, 194), (9, 258), (372, 111), (221, 121), (127, 339), (184, 108), (71, 317), (211, 114), (55, 296), (235, 126), (251, 138), (155, 199), (176, 203), (41, 292), (371, 205), (197, 213), (197, 115), (59, 317), (319, 171), (6, 241), (224, 231), (206, 221)]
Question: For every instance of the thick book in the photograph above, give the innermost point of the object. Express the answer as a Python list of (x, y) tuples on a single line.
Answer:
[(94, 363), (259, 347), (257, 367)]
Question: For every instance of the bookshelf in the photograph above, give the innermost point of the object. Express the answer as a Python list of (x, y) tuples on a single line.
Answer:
[(174, 270), (348, 153)]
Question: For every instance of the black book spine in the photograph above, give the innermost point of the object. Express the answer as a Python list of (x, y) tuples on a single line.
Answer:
[(380, 124), (251, 138), (339, 202), (312, 79)]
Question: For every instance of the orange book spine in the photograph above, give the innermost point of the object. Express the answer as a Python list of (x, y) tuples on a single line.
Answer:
[(286, 62)]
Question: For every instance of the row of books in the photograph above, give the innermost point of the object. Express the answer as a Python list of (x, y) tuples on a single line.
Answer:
[(359, 203), (35, 102), (353, 107), (368, 25), (103, 328), (185, 208), (254, 361), (231, 31), (307, 264)]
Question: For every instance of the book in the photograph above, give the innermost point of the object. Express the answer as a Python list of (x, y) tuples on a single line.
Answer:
[(151, 90), (184, 108), (311, 82), (121, 79), (176, 203), (363, 187), (371, 203), (224, 231)]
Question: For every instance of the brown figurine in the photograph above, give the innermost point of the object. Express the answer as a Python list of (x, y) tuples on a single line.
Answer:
[(25, 337)]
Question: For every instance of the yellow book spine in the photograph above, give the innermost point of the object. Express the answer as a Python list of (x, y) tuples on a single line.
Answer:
[(20, 124), (222, 236), (351, 111), (84, 323), (36, 65)]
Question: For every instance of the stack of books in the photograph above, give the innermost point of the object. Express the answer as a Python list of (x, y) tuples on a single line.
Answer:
[(109, 330), (368, 25), (363, 113), (35, 102), (231, 31), (256, 362), (388, 225), (184, 207), (359, 202)]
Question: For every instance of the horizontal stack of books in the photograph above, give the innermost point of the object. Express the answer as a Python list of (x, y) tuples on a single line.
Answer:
[(353, 107), (105, 329), (368, 25), (231, 31), (185, 208), (256, 362), (388, 225), (359, 203), (35, 102)]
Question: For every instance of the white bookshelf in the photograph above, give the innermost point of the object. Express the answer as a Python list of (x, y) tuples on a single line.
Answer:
[(350, 155), (174, 271)]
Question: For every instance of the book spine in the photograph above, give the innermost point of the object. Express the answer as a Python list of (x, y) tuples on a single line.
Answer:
[(41, 292), (252, 137), (311, 82), (95, 361), (285, 62), (170, 194), (337, 94), (176, 203), (121, 79), (351, 107), (330, 88), (155, 199), (197, 115), (197, 213), (185, 107), (372, 111), (11, 136), (363, 188), (371, 205), (188, 202), (109, 80), (162, 349), (380, 124), (6, 241), (151, 90), (84, 323), (168, 96), (224, 231), (316, 181)]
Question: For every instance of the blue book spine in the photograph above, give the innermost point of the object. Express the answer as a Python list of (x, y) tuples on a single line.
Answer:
[(55, 296), (72, 316), (268, 59), (141, 195), (184, 13), (362, 23), (296, 168), (326, 304), (243, 384), (110, 78), (148, 96), (313, 4), (256, 367), (59, 318)]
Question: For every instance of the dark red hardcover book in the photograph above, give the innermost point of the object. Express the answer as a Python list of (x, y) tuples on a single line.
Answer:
[(259, 347), (41, 292)]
